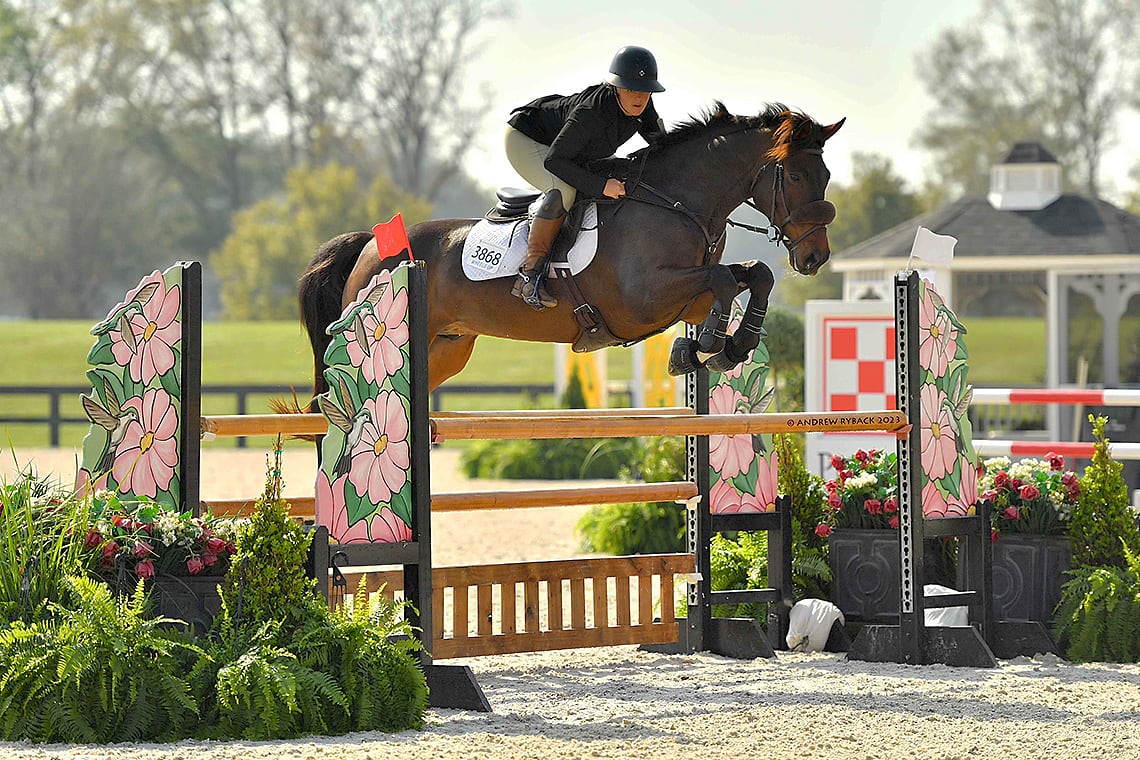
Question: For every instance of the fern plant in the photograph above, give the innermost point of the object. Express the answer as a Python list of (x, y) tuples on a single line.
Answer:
[(371, 654), (1102, 527), (1098, 618), (99, 670)]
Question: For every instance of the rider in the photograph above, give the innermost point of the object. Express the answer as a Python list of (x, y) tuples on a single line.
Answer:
[(551, 140)]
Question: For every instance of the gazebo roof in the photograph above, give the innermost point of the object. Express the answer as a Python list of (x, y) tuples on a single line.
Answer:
[(1071, 225)]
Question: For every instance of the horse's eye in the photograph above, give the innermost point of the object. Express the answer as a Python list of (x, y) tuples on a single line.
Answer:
[(794, 177)]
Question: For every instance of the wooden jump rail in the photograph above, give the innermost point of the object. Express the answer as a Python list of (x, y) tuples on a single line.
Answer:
[(555, 424), (467, 501)]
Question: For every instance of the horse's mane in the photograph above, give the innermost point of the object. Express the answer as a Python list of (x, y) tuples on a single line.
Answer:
[(791, 130)]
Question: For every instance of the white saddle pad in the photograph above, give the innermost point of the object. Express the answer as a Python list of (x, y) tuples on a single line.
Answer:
[(499, 249)]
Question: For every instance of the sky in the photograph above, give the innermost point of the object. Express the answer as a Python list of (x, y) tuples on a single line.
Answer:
[(829, 58)]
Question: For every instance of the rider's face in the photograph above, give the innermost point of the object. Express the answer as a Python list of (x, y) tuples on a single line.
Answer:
[(633, 103)]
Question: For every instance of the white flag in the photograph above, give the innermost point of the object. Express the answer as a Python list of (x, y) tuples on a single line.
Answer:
[(933, 249)]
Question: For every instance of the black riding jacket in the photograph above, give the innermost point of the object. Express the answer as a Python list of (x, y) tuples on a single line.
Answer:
[(581, 128)]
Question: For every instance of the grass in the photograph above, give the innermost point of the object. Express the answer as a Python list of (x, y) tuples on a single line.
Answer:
[(1003, 352)]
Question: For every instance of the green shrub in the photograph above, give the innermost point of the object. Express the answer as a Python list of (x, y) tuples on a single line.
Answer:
[(1098, 618), (739, 563), (283, 664), (99, 670), (266, 580), (556, 459), (653, 528), (810, 570), (1102, 526)]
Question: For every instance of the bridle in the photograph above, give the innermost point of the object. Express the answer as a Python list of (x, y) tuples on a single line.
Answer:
[(818, 213)]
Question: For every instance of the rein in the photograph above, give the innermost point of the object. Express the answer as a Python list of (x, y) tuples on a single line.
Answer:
[(774, 232)]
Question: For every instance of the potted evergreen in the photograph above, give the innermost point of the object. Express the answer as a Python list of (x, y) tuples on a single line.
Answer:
[(1099, 614)]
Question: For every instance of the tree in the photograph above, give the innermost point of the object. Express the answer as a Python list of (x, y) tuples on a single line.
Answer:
[(1055, 71), (876, 200), (274, 239), (410, 88)]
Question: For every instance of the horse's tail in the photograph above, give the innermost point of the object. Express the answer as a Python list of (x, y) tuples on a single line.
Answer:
[(320, 291)]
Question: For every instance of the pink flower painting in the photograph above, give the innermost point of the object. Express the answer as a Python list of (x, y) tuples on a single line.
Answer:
[(375, 345), (332, 512), (729, 455), (382, 455), (148, 452), (148, 332), (964, 502), (933, 502), (938, 337), (939, 443)]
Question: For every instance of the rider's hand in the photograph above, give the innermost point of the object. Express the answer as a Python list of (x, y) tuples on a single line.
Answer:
[(615, 188)]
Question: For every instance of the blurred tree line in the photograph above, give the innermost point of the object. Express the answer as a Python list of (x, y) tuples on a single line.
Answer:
[(1059, 72), (135, 133)]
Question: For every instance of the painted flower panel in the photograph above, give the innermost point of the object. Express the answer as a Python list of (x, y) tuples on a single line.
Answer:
[(146, 457), (145, 337)]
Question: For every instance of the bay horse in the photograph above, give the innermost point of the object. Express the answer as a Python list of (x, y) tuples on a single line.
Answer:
[(658, 251)]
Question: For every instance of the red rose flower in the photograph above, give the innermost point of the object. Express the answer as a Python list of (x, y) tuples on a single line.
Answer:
[(1001, 480), (823, 530), (1056, 461), (215, 546), (836, 462), (1011, 513), (195, 565), (894, 521), (890, 506), (1029, 492), (142, 549), (993, 536), (210, 559), (873, 506), (835, 501), (93, 539), (144, 569)]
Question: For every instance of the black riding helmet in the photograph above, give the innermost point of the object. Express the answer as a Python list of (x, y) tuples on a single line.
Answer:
[(634, 68)]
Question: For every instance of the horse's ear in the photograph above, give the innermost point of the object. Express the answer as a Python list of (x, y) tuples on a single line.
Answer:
[(829, 131)]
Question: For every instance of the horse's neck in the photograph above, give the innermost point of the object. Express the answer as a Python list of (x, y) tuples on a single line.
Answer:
[(710, 187)]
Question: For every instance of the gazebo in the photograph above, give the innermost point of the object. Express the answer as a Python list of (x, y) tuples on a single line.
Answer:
[(1024, 246)]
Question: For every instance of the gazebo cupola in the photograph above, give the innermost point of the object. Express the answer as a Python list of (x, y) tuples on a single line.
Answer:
[(1029, 179)]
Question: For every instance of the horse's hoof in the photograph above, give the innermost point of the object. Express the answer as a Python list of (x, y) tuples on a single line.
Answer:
[(721, 362), (683, 357)]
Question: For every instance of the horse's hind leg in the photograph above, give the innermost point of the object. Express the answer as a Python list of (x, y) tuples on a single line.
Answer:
[(686, 354), (447, 356)]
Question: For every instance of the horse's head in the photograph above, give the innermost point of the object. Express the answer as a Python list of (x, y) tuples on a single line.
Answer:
[(790, 188)]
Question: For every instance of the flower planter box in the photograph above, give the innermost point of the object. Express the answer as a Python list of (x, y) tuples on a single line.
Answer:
[(1028, 572), (194, 599), (865, 573)]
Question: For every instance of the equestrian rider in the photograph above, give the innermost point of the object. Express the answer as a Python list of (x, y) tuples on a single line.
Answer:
[(550, 142)]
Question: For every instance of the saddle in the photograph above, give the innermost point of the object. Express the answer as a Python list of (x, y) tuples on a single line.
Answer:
[(512, 205)]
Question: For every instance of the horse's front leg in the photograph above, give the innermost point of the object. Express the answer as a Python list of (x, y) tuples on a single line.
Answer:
[(758, 278), (687, 355)]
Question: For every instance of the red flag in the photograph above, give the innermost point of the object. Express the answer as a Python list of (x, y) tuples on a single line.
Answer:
[(392, 239)]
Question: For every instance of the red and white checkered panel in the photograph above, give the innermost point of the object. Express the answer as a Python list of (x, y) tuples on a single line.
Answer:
[(859, 364)]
